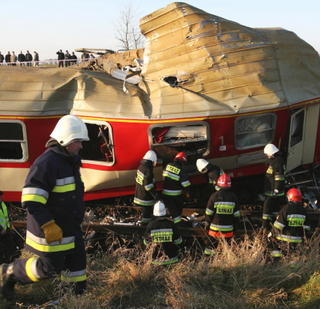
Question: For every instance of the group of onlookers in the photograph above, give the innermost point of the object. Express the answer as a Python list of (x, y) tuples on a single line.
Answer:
[(66, 59), (21, 59)]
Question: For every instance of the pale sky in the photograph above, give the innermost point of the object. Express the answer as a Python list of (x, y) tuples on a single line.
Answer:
[(47, 26)]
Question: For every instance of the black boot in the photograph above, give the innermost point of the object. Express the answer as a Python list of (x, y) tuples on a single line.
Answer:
[(7, 281)]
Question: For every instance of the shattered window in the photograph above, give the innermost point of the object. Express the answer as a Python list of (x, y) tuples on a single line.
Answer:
[(13, 145), (100, 146), (296, 130), (191, 138), (254, 131)]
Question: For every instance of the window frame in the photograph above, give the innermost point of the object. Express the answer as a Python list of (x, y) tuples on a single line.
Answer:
[(179, 124), (23, 143), (96, 162), (273, 115)]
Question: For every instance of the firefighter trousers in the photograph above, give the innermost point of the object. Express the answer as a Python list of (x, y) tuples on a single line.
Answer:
[(175, 206), (71, 265)]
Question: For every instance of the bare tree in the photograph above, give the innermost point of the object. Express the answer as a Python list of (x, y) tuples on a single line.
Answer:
[(127, 33)]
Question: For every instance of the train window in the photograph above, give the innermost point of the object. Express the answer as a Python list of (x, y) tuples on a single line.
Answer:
[(254, 131), (191, 137), (100, 146), (296, 132), (13, 141)]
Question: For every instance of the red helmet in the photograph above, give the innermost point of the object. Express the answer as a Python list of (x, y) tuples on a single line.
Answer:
[(294, 195), (224, 181), (181, 156)]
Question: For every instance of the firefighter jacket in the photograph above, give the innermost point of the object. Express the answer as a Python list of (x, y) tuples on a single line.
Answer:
[(175, 179), (291, 223), (162, 232), (274, 179), (222, 213), (53, 191), (145, 188), (214, 172), (4, 217)]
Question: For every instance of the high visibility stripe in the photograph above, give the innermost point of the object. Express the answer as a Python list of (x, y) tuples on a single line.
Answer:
[(177, 219), (172, 192), (209, 212), (34, 198), (65, 188), (186, 183), (289, 238), (278, 225), (237, 214), (33, 194), (149, 186), (178, 241), (221, 228), (276, 253), (166, 262), (307, 227), (31, 269), (74, 276), (143, 202), (266, 217), (209, 251), (171, 176), (40, 244)]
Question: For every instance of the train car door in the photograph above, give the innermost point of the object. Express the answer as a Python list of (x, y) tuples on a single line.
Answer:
[(295, 147), (303, 136)]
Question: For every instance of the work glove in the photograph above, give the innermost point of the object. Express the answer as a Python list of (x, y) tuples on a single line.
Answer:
[(52, 231)]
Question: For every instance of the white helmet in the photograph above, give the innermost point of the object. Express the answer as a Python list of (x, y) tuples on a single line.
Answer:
[(69, 128), (151, 156), (202, 165), (270, 150), (159, 209)]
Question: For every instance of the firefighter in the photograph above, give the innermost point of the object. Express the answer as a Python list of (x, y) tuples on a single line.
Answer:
[(222, 214), (290, 225), (212, 173), (145, 194), (175, 181), (274, 186), (162, 232), (53, 197)]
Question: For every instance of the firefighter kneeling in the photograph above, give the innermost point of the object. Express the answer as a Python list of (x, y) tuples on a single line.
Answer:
[(163, 233), (222, 213), (53, 197), (290, 225)]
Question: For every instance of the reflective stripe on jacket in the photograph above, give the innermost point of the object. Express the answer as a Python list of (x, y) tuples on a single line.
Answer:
[(53, 191)]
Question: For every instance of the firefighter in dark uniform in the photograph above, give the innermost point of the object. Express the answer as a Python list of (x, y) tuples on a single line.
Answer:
[(145, 194), (290, 225), (162, 232), (222, 214), (274, 186), (212, 173), (53, 197), (175, 181)]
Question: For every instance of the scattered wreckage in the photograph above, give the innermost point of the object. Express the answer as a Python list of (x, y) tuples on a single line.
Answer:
[(203, 84)]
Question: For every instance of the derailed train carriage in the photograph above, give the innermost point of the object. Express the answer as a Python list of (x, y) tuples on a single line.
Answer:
[(203, 84)]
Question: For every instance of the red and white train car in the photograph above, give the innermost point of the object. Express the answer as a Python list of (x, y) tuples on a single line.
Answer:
[(208, 86)]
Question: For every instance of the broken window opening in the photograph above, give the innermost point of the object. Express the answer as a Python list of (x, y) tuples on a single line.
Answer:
[(296, 133), (254, 131), (13, 141), (100, 146), (167, 141)]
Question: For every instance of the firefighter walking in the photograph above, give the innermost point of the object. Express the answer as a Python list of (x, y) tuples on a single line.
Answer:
[(53, 197), (162, 232), (145, 194), (222, 214), (290, 225), (274, 186), (175, 181)]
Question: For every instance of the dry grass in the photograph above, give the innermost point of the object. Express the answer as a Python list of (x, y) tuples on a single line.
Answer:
[(238, 276)]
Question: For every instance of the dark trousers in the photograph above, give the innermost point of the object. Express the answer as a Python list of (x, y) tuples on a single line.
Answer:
[(174, 205), (271, 208), (70, 264)]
